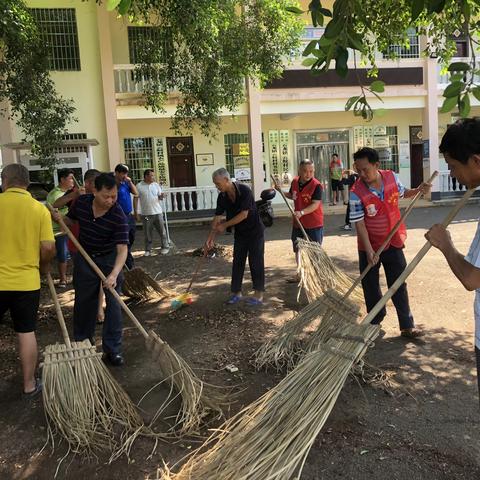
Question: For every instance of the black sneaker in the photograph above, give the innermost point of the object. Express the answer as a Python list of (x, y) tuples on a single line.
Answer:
[(114, 359)]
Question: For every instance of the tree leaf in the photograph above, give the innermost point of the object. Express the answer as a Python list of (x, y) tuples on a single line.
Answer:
[(464, 106), (350, 102), (377, 86), (334, 27), (459, 67), (448, 104), (112, 4), (355, 41), (295, 10), (326, 12), (454, 89), (417, 8), (476, 93), (435, 6), (124, 7), (309, 48), (308, 62)]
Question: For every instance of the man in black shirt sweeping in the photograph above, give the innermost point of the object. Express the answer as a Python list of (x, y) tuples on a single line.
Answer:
[(236, 202)]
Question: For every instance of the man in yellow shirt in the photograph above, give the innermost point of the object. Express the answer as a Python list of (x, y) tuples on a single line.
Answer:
[(27, 246)]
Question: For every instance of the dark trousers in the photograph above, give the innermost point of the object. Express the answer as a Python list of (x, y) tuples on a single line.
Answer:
[(477, 354), (132, 228), (347, 215), (394, 263), (86, 284), (252, 247)]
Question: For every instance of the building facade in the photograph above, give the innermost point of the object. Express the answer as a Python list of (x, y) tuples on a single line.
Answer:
[(295, 117)]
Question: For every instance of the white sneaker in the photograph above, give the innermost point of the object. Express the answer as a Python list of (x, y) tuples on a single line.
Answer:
[(147, 254), (347, 227), (164, 251)]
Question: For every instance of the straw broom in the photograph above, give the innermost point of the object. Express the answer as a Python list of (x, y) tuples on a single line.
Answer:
[(83, 402), (199, 399), (317, 271), (283, 349), (140, 285), (271, 438)]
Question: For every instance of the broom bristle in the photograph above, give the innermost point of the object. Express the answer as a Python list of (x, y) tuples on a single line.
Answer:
[(83, 403), (318, 273), (139, 284), (199, 399), (271, 438)]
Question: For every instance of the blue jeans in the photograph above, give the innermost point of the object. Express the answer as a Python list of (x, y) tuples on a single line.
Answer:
[(86, 284), (314, 234), (62, 249)]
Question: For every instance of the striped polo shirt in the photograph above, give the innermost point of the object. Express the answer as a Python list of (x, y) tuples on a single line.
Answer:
[(102, 234)]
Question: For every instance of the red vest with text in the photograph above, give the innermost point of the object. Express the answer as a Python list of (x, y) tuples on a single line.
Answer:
[(303, 199), (381, 216)]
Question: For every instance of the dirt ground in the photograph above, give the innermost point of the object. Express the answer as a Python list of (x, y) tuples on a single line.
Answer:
[(427, 426)]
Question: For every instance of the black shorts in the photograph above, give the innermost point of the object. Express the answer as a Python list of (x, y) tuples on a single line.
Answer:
[(336, 185), (23, 308)]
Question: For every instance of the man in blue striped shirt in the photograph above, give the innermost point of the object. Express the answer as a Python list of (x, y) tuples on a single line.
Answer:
[(104, 235)]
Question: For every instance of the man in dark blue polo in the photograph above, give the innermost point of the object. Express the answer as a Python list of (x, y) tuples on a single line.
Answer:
[(126, 189), (104, 235), (236, 202)]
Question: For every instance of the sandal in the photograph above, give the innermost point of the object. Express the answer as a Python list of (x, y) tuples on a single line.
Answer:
[(253, 301), (233, 300), (62, 285), (34, 393), (411, 333)]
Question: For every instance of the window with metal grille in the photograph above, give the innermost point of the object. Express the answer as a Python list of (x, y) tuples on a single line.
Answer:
[(412, 51), (139, 156), (392, 162), (230, 139), (138, 36), (58, 29), (73, 148)]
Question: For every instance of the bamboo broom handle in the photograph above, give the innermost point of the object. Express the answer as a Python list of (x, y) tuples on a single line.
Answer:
[(389, 237), (58, 309), (94, 266), (304, 233), (416, 260)]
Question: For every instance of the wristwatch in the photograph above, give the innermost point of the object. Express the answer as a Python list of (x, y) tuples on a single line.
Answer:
[(302, 213)]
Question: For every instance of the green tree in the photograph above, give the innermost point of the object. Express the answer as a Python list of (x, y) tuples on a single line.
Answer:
[(367, 26), (202, 51), (26, 84)]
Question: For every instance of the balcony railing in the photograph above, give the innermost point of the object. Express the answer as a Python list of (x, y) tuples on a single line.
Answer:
[(443, 78), (190, 199), (125, 81)]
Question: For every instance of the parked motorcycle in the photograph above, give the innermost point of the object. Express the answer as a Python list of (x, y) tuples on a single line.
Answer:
[(264, 206)]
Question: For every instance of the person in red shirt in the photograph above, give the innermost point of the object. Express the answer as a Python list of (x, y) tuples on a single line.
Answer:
[(374, 211), (306, 192)]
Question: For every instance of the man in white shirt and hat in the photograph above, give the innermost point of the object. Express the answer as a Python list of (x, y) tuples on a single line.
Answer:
[(150, 195)]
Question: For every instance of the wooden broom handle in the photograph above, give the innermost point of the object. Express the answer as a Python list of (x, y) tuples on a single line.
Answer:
[(304, 233), (389, 237), (416, 260), (97, 270), (58, 309)]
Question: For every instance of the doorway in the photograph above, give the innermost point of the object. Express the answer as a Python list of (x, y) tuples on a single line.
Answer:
[(181, 166), (416, 156), (319, 147)]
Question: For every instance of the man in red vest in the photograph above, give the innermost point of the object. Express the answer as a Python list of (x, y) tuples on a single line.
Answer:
[(306, 193), (374, 211)]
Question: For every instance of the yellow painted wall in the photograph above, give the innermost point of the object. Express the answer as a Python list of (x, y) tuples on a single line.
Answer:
[(201, 144), (85, 86), (119, 36)]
